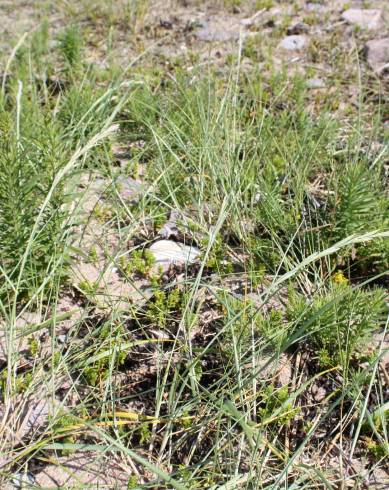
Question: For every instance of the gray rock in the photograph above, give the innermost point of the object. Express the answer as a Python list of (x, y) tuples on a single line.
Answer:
[(167, 252), (378, 479), (298, 28), (377, 54), (363, 18), (294, 43), (314, 83), (380, 344)]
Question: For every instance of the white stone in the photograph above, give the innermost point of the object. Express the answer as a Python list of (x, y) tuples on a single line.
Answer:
[(167, 252)]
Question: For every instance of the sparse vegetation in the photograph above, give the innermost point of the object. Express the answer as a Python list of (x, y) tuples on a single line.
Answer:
[(231, 370)]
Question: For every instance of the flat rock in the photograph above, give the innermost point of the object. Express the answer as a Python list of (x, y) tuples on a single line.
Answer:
[(17, 345), (81, 470), (21, 480), (363, 18), (377, 54), (92, 191), (68, 305), (294, 43), (168, 252)]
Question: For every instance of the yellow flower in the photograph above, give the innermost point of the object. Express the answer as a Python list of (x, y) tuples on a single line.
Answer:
[(339, 278)]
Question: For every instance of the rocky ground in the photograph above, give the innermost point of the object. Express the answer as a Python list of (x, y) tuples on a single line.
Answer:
[(336, 47)]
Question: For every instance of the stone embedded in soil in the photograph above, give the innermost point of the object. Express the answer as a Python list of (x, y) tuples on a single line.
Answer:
[(294, 43), (83, 470), (314, 83), (92, 192), (377, 54), (17, 346), (96, 190), (210, 35), (363, 18), (67, 305), (168, 252)]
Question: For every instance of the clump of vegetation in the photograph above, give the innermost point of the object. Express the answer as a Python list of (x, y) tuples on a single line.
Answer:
[(217, 258), (140, 262), (110, 336), (164, 305), (338, 322), (277, 401), (70, 45), (30, 226), (360, 204), (89, 288)]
